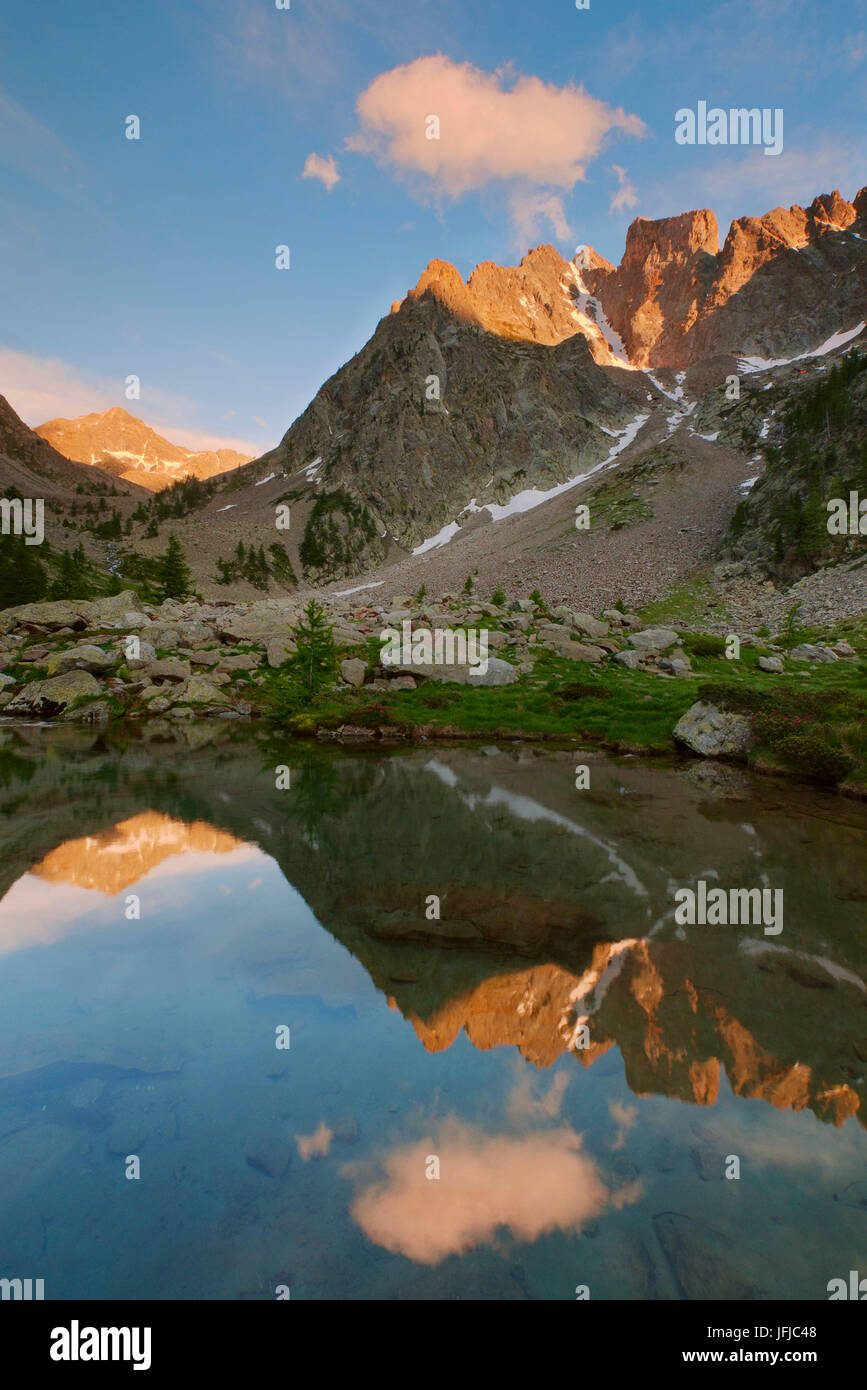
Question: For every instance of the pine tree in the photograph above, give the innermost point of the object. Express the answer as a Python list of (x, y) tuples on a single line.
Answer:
[(22, 576), (314, 662), (66, 581), (813, 530), (174, 572)]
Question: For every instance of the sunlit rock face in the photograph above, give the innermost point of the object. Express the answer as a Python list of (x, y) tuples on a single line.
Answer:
[(120, 443), (781, 284), (115, 859)]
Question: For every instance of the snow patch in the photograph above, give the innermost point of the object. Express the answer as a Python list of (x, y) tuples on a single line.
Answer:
[(342, 593), (763, 364), (532, 497)]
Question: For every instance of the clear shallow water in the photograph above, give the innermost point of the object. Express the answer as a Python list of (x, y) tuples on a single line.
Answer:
[(305, 908)]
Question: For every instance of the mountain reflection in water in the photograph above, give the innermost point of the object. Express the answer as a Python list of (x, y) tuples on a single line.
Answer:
[(166, 909)]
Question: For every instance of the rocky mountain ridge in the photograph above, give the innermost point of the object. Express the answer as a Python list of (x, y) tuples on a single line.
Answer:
[(124, 446)]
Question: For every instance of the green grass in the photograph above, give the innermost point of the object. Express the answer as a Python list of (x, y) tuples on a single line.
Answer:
[(631, 710), (688, 602)]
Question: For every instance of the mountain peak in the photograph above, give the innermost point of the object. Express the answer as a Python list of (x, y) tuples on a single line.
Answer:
[(123, 445)]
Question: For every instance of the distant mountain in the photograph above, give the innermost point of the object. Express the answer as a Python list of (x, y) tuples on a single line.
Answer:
[(35, 469), (123, 445)]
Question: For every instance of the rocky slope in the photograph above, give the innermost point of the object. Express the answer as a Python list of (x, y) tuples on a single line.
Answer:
[(434, 412), (121, 444)]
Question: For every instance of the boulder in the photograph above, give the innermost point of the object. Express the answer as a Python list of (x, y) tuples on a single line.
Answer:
[(192, 633), (657, 639), (51, 697), (244, 662), (248, 625), (278, 650), (498, 672), (47, 617), (82, 658), (147, 655), (164, 638), (807, 652), (352, 671), (715, 733), (588, 626), (581, 651), (6, 681), (631, 660), (199, 691), (120, 610), (348, 637), (613, 616), (169, 669), (771, 663)]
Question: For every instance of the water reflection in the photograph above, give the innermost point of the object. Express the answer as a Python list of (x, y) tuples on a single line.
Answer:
[(556, 929)]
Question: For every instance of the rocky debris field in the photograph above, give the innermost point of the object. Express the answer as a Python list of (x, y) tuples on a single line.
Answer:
[(115, 657), (822, 599)]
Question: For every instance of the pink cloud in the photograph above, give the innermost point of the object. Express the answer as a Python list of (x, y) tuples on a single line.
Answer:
[(315, 167), (626, 195), (492, 128), (531, 1185)]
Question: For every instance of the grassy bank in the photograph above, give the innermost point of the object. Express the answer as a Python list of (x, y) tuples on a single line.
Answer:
[(810, 722)]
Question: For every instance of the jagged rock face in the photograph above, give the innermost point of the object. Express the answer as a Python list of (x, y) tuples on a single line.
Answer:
[(510, 415), (781, 284), (537, 301), (120, 443), (654, 296)]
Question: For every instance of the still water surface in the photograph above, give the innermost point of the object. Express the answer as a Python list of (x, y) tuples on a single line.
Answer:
[(166, 910)]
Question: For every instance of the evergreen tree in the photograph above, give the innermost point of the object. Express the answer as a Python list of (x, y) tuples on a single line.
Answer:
[(813, 530), (314, 662), (174, 572), (65, 583), (22, 576)]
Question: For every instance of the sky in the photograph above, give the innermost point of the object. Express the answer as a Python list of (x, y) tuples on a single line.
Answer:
[(309, 127)]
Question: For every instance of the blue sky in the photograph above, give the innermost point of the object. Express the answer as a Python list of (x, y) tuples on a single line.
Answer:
[(156, 257)]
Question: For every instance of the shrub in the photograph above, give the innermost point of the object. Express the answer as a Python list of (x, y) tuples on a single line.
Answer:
[(815, 755), (704, 644)]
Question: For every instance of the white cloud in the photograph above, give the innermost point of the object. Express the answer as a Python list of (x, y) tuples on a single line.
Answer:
[(626, 195), (492, 128), (315, 167)]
